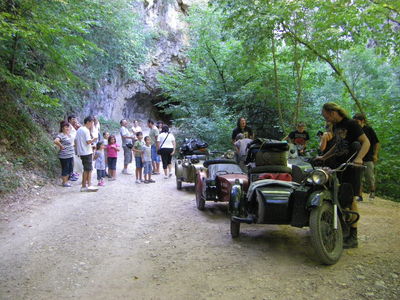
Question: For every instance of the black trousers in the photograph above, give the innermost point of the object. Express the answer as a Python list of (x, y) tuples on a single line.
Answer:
[(166, 156)]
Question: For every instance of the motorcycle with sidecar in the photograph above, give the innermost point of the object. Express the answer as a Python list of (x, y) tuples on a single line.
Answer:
[(290, 196), (215, 179), (192, 154)]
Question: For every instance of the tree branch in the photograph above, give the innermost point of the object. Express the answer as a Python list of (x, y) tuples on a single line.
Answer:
[(219, 69), (329, 61)]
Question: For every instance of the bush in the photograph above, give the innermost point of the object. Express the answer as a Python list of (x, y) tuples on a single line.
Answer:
[(23, 144)]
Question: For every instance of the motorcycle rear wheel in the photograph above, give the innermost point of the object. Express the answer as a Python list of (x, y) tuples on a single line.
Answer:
[(327, 242)]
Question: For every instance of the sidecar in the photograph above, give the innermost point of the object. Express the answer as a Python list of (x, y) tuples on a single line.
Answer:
[(187, 167), (273, 186), (192, 154), (215, 179)]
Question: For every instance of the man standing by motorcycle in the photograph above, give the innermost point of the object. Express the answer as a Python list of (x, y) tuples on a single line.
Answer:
[(241, 127), (346, 131), (372, 156), (299, 137)]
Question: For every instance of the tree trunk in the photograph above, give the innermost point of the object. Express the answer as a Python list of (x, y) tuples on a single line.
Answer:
[(12, 61), (276, 83)]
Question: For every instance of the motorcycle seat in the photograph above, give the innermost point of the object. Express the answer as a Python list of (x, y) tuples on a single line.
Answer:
[(215, 169), (270, 169), (218, 161)]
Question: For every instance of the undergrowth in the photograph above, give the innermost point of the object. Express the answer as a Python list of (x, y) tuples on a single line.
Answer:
[(23, 145)]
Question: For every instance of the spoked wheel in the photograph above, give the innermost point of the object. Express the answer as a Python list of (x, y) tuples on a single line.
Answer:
[(178, 184), (327, 242), (200, 201), (235, 229)]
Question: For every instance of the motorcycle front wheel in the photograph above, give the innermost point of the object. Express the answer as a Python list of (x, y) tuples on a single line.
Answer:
[(327, 242), (200, 201), (178, 184)]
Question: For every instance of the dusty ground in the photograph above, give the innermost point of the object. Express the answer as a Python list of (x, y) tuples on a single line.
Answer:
[(131, 241)]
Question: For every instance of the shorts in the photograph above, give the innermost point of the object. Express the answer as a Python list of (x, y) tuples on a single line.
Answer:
[(87, 162), (368, 174), (67, 166), (138, 161), (147, 167), (127, 155), (154, 156), (112, 163), (101, 174)]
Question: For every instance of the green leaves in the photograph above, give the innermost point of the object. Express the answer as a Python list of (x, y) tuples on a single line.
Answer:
[(50, 49)]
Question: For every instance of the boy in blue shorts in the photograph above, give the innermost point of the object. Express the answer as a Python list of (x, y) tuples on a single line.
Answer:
[(146, 158)]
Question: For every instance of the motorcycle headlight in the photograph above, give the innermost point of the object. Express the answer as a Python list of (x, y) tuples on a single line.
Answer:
[(229, 154), (319, 177)]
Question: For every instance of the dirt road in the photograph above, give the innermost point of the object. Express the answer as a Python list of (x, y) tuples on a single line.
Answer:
[(148, 241)]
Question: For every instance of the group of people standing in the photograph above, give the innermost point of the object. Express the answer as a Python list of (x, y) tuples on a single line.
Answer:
[(158, 146), (86, 142)]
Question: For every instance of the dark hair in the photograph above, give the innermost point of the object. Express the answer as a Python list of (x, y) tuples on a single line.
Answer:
[(238, 121), (165, 128), (146, 137), (71, 117), (88, 119), (301, 124), (159, 122), (139, 133), (331, 106), (150, 121), (63, 124), (110, 138), (98, 145), (120, 122), (104, 133), (360, 117), (320, 133)]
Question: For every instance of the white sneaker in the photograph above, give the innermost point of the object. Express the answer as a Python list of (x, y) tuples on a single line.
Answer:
[(170, 175), (166, 177), (138, 181), (84, 189), (125, 171), (93, 189)]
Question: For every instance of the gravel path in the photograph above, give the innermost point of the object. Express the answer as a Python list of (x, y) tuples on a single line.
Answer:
[(148, 241)]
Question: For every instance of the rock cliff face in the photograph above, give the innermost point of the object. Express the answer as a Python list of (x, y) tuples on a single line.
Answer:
[(118, 98)]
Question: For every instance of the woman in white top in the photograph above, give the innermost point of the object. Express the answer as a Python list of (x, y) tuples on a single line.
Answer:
[(166, 145), (136, 128)]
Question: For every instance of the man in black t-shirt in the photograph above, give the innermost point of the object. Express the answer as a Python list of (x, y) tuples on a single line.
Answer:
[(241, 127), (371, 157), (346, 131), (299, 137)]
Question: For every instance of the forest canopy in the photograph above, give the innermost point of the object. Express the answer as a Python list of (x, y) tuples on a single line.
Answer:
[(277, 62)]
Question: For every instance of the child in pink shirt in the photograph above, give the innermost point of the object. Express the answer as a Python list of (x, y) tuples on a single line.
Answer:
[(112, 154)]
